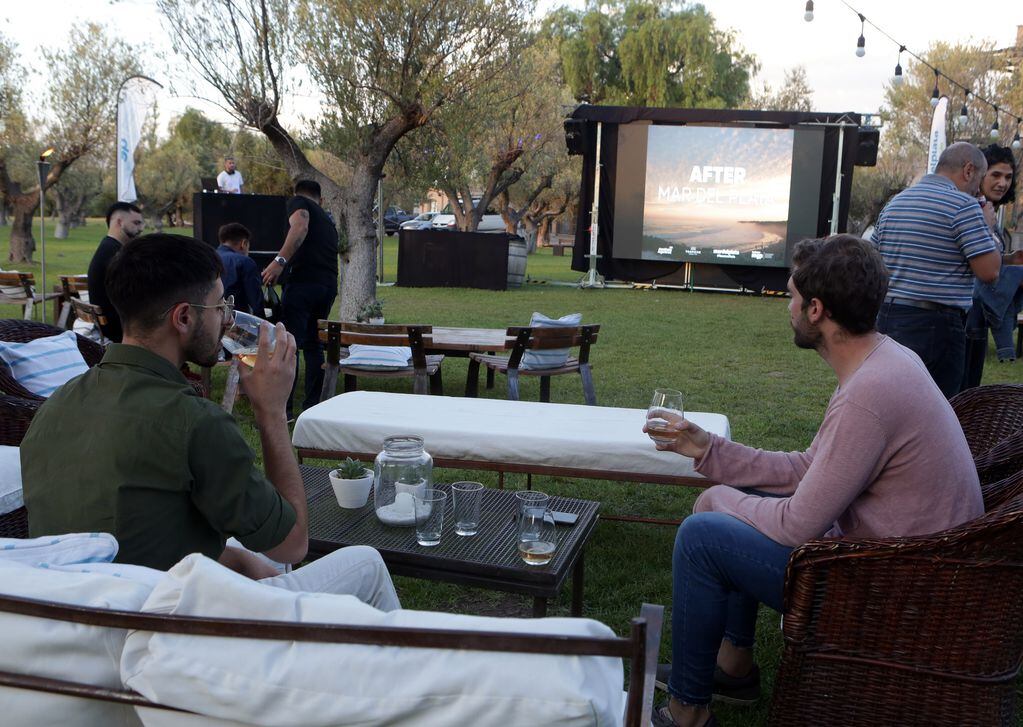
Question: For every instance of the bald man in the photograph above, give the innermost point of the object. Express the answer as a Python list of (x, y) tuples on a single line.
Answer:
[(934, 240)]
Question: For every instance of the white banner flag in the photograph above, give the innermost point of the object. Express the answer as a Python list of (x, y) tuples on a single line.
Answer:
[(132, 104), (937, 140)]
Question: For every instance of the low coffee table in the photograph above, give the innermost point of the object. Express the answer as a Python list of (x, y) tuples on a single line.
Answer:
[(489, 559)]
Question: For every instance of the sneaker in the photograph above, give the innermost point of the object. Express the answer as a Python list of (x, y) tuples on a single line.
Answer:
[(728, 689)]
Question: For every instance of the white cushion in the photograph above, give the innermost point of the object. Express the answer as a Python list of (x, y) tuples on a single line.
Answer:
[(385, 358), (44, 364), (550, 358), (321, 685), (69, 549), (11, 497), (68, 651)]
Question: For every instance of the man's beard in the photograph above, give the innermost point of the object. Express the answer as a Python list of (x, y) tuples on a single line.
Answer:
[(201, 349), (806, 335)]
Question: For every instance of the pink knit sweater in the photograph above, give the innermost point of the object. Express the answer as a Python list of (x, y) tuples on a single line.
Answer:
[(889, 459)]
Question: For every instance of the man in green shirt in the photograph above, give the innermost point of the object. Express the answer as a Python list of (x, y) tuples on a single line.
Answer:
[(129, 448)]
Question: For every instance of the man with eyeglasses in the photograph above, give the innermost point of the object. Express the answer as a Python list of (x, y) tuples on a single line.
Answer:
[(168, 473)]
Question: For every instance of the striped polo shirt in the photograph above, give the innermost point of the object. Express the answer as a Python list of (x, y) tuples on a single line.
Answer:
[(926, 234)]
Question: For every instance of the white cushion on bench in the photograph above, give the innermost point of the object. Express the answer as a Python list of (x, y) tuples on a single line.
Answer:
[(319, 685), (496, 430), (68, 651)]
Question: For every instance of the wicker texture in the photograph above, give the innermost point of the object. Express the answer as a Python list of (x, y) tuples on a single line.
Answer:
[(910, 631), (989, 414), (20, 331)]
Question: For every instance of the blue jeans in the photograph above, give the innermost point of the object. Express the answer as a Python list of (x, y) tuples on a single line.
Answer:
[(938, 337), (302, 305), (1000, 303), (721, 569)]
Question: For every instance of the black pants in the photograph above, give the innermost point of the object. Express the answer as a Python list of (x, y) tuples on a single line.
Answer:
[(302, 305), (938, 337)]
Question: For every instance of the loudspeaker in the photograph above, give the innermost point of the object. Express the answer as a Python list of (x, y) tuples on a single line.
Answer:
[(575, 136), (265, 215), (867, 140)]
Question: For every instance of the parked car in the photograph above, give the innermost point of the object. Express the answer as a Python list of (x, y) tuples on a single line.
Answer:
[(393, 217), (490, 222), (419, 222)]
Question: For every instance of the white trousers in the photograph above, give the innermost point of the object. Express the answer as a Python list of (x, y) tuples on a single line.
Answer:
[(357, 570)]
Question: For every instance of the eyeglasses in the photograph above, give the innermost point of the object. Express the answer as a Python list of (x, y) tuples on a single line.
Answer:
[(226, 306)]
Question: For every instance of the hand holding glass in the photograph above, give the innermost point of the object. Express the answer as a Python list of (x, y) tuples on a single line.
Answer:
[(242, 338), (665, 401)]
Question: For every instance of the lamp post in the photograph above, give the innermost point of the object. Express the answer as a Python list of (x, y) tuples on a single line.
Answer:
[(43, 167)]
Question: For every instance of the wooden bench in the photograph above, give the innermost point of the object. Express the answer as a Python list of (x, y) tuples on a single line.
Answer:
[(558, 243), (20, 289), (71, 287)]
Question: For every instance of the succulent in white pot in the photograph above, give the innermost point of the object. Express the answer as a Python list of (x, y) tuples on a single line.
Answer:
[(352, 482)]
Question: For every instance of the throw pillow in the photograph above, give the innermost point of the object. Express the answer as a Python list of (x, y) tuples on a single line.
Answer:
[(45, 364), (10, 480), (384, 358), (554, 357), (69, 549)]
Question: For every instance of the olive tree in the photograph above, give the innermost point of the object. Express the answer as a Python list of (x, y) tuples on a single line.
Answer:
[(381, 67)]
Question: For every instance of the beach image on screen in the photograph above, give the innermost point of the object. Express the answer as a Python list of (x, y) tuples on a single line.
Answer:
[(717, 195)]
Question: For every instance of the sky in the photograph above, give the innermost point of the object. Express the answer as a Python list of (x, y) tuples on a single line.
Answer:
[(774, 31)]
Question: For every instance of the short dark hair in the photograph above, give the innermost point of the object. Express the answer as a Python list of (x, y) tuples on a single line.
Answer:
[(996, 154), (120, 207), (156, 271), (233, 232), (309, 187), (846, 274)]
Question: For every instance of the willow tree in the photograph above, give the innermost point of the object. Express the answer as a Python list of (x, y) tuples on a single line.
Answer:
[(381, 68), (84, 76), (649, 53)]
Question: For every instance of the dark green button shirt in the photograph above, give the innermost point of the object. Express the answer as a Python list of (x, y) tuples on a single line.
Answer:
[(128, 448)]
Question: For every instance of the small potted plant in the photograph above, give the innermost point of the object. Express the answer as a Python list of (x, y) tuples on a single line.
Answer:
[(351, 482), (372, 313)]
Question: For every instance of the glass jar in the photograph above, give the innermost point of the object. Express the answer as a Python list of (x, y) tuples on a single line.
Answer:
[(402, 470)]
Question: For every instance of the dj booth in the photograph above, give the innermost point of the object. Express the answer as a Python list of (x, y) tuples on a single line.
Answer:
[(265, 215)]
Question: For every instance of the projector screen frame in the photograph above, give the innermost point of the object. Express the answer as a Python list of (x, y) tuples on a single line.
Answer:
[(596, 217)]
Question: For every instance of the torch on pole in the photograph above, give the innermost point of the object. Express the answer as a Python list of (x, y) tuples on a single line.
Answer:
[(43, 167)]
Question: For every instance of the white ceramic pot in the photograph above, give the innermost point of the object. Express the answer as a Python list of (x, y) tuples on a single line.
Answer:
[(351, 494), (376, 321)]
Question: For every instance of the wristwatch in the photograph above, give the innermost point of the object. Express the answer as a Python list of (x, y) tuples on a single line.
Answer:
[(281, 260)]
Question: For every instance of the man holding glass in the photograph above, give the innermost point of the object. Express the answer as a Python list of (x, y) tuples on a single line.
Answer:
[(169, 473), (889, 460)]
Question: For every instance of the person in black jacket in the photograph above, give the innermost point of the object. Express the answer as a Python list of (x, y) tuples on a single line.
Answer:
[(309, 258), (124, 224)]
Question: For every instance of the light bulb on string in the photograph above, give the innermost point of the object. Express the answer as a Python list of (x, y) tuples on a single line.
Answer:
[(963, 118), (808, 15), (861, 42), (935, 94), (994, 126), (1015, 140), (897, 78)]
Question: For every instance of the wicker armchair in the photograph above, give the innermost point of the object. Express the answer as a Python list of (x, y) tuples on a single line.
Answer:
[(989, 414), (910, 631)]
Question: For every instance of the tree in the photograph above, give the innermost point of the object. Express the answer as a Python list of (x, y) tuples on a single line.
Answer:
[(649, 53), (77, 187), (13, 124), (165, 175), (85, 76), (475, 151), (383, 67), (795, 94)]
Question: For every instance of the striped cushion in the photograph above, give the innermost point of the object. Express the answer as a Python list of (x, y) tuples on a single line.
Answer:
[(555, 357), (44, 364), (378, 357)]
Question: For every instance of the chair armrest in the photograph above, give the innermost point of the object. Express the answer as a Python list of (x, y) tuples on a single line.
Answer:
[(15, 417)]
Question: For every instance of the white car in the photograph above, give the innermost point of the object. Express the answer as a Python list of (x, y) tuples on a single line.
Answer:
[(490, 222), (420, 222)]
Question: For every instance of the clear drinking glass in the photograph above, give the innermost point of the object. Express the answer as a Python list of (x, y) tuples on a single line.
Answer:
[(537, 541), (430, 516), (664, 401), (242, 338), (466, 499)]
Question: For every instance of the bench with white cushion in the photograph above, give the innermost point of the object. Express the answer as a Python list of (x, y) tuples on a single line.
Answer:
[(568, 440)]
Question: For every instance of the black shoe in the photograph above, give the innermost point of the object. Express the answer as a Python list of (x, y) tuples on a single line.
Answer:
[(728, 689)]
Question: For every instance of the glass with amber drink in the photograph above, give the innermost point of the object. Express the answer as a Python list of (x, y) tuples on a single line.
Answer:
[(665, 401), (242, 338)]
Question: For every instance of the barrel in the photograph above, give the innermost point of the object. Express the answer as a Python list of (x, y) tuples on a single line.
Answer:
[(516, 262)]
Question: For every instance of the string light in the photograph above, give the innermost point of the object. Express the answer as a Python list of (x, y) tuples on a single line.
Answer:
[(1015, 140), (994, 126), (897, 78), (861, 41), (808, 15), (963, 118), (935, 94)]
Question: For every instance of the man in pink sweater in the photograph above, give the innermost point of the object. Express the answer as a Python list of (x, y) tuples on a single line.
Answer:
[(889, 459)]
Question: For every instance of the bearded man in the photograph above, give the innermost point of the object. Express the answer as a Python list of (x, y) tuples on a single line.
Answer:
[(167, 472), (889, 460)]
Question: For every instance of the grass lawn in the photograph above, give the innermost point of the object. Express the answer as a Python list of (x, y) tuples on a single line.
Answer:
[(728, 353)]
